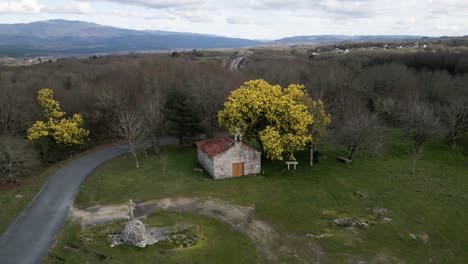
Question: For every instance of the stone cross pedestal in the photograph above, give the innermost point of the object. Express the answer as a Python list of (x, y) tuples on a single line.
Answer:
[(131, 208)]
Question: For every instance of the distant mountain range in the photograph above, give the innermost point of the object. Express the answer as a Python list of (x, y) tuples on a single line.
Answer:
[(342, 38), (63, 37)]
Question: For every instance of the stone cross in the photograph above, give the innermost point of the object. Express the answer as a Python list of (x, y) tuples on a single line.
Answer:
[(131, 208), (238, 136)]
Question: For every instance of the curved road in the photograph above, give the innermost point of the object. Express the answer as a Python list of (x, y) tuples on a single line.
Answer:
[(29, 238), (236, 63)]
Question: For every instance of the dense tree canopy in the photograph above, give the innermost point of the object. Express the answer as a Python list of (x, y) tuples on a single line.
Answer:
[(184, 122), (276, 117), (375, 81)]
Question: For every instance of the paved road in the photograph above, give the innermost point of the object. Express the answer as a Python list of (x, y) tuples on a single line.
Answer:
[(236, 63), (29, 238)]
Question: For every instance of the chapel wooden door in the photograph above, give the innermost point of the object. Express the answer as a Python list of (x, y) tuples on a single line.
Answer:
[(238, 169)]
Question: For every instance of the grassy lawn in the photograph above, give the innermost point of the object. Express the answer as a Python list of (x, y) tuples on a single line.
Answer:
[(207, 61), (433, 201)]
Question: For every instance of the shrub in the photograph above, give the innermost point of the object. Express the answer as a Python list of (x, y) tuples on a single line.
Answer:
[(16, 157)]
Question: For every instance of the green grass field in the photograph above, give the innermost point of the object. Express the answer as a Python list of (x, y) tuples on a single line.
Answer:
[(433, 201), (217, 244), (30, 185)]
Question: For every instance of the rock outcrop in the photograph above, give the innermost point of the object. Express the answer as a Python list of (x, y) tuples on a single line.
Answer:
[(361, 195), (378, 213), (347, 222), (136, 234)]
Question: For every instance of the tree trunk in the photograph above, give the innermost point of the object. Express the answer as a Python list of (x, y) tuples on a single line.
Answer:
[(351, 150), (261, 146), (10, 178), (417, 151), (155, 142), (135, 156), (312, 155), (212, 125)]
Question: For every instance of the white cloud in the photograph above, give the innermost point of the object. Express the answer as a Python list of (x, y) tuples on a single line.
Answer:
[(136, 15), (196, 15), (351, 7), (281, 4), (259, 19), (447, 28), (158, 4), (35, 7), (125, 13), (75, 7), (23, 6), (239, 20), (358, 8), (195, 11)]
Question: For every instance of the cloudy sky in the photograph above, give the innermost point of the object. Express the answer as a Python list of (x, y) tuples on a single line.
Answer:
[(257, 19)]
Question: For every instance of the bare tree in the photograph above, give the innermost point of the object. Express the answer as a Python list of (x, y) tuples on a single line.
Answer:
[(210, 88), (14, 114), (420, 124), (107, 101), (359, 130), (154, 122), (455, 118), (16, 156), (129, 127)]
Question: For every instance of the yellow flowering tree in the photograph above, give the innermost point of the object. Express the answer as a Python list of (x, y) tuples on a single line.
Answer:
[(276, 117), (318, 128), (56, 127)]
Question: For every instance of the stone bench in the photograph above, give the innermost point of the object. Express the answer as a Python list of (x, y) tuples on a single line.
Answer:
[(294, 163), (197, 170)]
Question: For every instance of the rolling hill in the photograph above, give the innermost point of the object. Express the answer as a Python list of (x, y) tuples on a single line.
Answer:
[(71, 38), (320, 39)]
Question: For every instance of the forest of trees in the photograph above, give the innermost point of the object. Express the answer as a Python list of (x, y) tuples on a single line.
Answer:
[(423, 93)]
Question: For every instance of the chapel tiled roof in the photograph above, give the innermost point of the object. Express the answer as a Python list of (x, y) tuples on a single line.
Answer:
[(214, 146)]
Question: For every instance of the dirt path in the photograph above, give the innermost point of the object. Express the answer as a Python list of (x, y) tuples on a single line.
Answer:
[(271, 243)]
